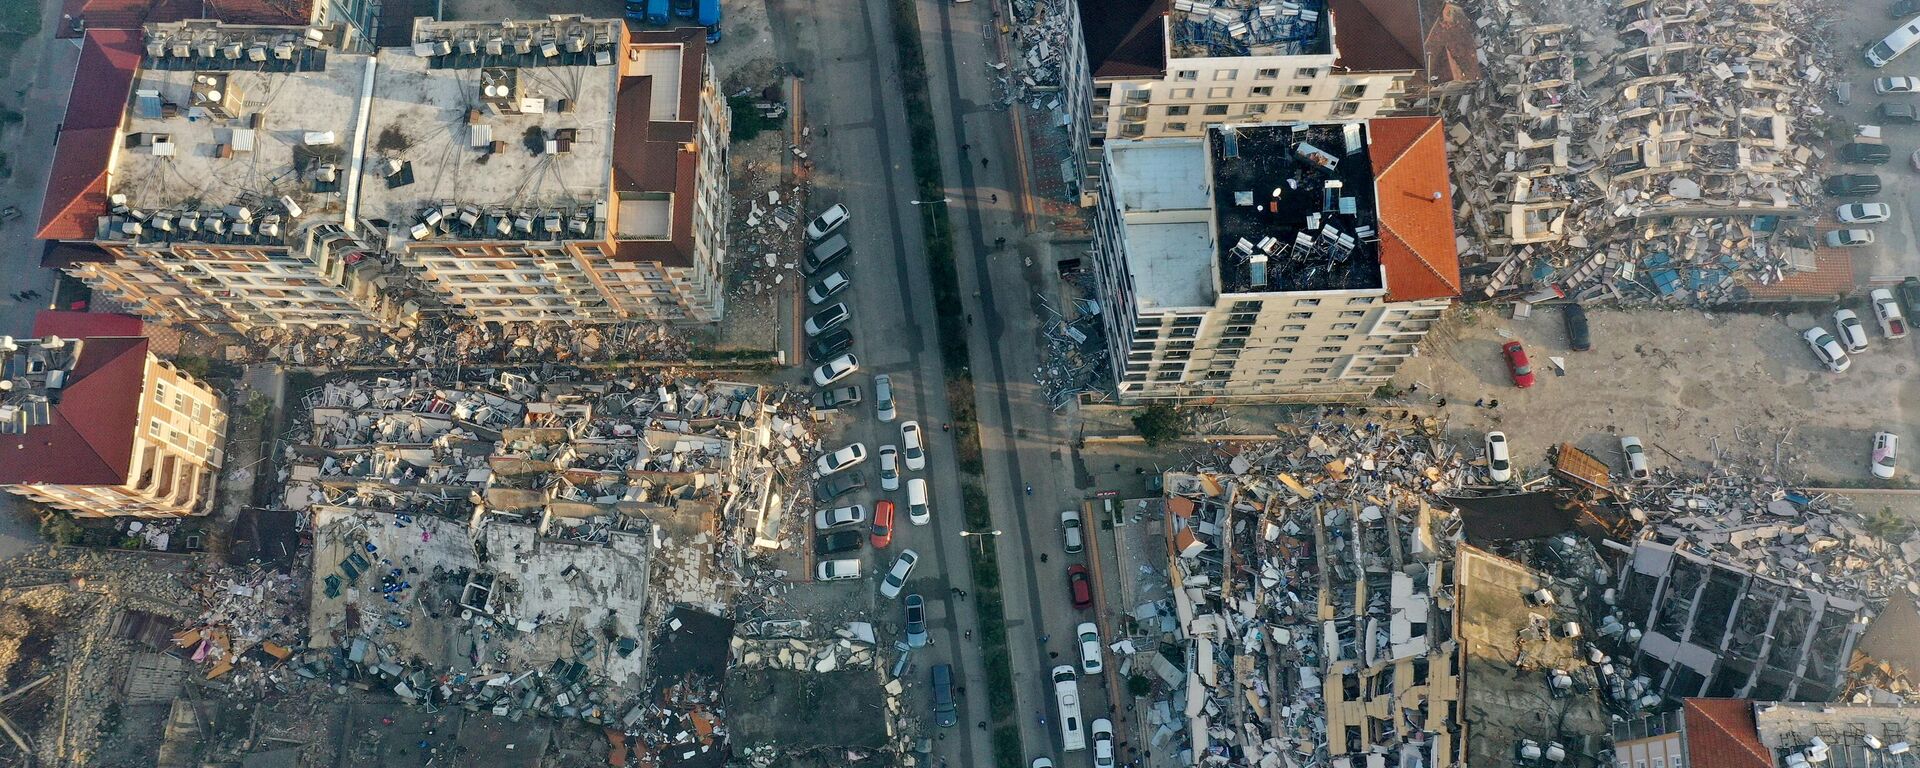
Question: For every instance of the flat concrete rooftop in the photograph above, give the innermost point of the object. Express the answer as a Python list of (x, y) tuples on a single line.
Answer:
[(1506, 657), (1161, 186)]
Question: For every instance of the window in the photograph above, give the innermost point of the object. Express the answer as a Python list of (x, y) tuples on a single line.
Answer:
[(1341, 337), (1262, 90), (1293, 327), (1334, 348), (1300, 90), (1293, 107), (153, 428), (1345, 326), (1246, 306), (1374, 348), (1267, 74), (1359, 301), (1177, 127), (1225, 74), (1102, 91), (1316, 370), (1186, 332), (1299, 315), (1256, 109), (1353, 91), (1345, 108), (1183, 93), (1306, 73), (1353, 313), (179, 401), (160, 392), (1146, 333), (1323, 360), (1187, 74), (1179, 111), (1290, 340), (1659, 762), (1306, 302), (1219, 109), (1167, 376), (1185, 320)]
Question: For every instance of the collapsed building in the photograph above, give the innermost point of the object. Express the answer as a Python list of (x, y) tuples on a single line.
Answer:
[(1658, 160)]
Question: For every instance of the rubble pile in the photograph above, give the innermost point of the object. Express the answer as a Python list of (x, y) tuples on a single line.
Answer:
[(437, 342), (1042, 33), (1076, 353), (1661, 160), (846, 666)]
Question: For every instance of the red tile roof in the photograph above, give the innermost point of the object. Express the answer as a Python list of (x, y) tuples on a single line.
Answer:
[(76, 193), (1452, 53), (85, 325), (130, 14), (1721, 734), (1416, 208), (1832, 275), (648, 154), (88, 439), (1376, 35)]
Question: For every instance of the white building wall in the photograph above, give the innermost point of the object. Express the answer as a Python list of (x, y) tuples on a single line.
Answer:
[(1200, 92)]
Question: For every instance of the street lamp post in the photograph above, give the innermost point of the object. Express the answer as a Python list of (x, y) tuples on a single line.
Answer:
[(980, 534), (931, 202)]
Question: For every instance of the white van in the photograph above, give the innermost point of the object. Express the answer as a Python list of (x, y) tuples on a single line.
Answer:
[(1066, 690), (1895, 43)]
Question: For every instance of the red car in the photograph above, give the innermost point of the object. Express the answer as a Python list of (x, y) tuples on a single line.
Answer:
[(1517, 364), (1080, 585), (882, 523)]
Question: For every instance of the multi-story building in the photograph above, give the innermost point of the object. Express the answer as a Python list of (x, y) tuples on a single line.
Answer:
[(1273, 262), (99, 426), (1152, 68), (243, 177), (1742, 733), (361, 17)]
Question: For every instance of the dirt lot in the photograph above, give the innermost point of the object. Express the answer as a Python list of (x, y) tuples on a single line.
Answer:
[(1684, 382)]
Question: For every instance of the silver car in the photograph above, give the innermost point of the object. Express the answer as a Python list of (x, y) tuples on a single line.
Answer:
[(883, 397)]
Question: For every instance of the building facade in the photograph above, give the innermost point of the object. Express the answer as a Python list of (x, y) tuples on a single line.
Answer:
[(1254, 264), (112, 429)]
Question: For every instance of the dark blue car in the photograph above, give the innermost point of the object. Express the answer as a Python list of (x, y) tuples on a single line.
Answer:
[(944, 713)]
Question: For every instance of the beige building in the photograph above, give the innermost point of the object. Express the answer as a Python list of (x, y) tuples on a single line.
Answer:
[(235, 178), (100, 427), (1273, 262)]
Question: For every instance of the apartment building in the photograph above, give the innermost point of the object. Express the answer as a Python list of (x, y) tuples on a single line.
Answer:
[(1274, 262), (235, 178), (95, 424)]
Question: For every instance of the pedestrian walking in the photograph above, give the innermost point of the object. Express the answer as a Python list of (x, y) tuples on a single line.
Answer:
[(963, 594), (1043, 557), (1493, 404), (983, 162), (996, 197), (946, 427), (1480, 403), (965, 147), (968, 635), (1443, 402), (983, 725)]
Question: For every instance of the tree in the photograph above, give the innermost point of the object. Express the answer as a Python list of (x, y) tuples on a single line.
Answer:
[(1158, 423), (1139, 686), (1886, 524)]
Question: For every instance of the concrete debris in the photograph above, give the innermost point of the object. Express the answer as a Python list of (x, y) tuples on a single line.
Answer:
[(1076, 357), (442, 342), (1655, 160), (1041, 30)]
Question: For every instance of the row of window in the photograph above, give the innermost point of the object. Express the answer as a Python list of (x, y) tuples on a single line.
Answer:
[(1301, 73)]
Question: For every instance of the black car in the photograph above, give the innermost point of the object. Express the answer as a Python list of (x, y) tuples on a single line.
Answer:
[(1870, 154), (1853, 185), (1909, 290), (1898, 113), (835, 542), (829, 344), (837, 485), (1578, 338), (840, 397)]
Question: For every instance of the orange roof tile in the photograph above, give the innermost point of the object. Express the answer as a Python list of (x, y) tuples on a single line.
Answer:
[(1832, 275), (1721, 734), (76, 193), (1416, 208)]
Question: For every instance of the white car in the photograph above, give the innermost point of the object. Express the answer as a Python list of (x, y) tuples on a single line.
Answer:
[(1827, 349), (883, 405), (827, 287), (850, 514), (889, 468), (835, 570), (1070, 529), (1852, 332), (1886, 449), (916, 450), (1499, 461), (847, 456), (1636, 458), (1850, 238), (827, 222), (1863, 213), (917, 511), (1041, 762), (828, 319), (1886, 311), (1103, 743), (1090, 656), (1886, 85), (835, 369), (896, 577)]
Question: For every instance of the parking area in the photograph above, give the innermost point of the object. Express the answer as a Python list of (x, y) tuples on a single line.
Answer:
[(1898, 250), (1691, 385)]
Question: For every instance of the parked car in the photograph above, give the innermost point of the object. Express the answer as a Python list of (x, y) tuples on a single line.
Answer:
[(1863, 213), (829, 344), (916, 621), (851, 514), (1889, 85), (827, 319), (1850, 238), (917, 510), (889, 468), (881, 530), (1103, 743), (1091, 659), (835, 369), (945, 714), (1517, 364), (1041, 762), (827, 287), (847, 456), (1574, 317), (839, 485), (836, 398), (1886, 450), (1909, 290), (1827, 349), (1070, 530), (1852, 332), (1853, 185), (883, 397), (828, 221), (836, 570), (914, 445), (1080, 586), (1499, 461), (1894, 112), (1636, 458), (827, 254), (836, 542), (897, 575), (1865, 153), (1915, 159), (1893, 324)]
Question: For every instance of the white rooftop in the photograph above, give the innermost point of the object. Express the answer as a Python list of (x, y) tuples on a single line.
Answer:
[(1161, 186)]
